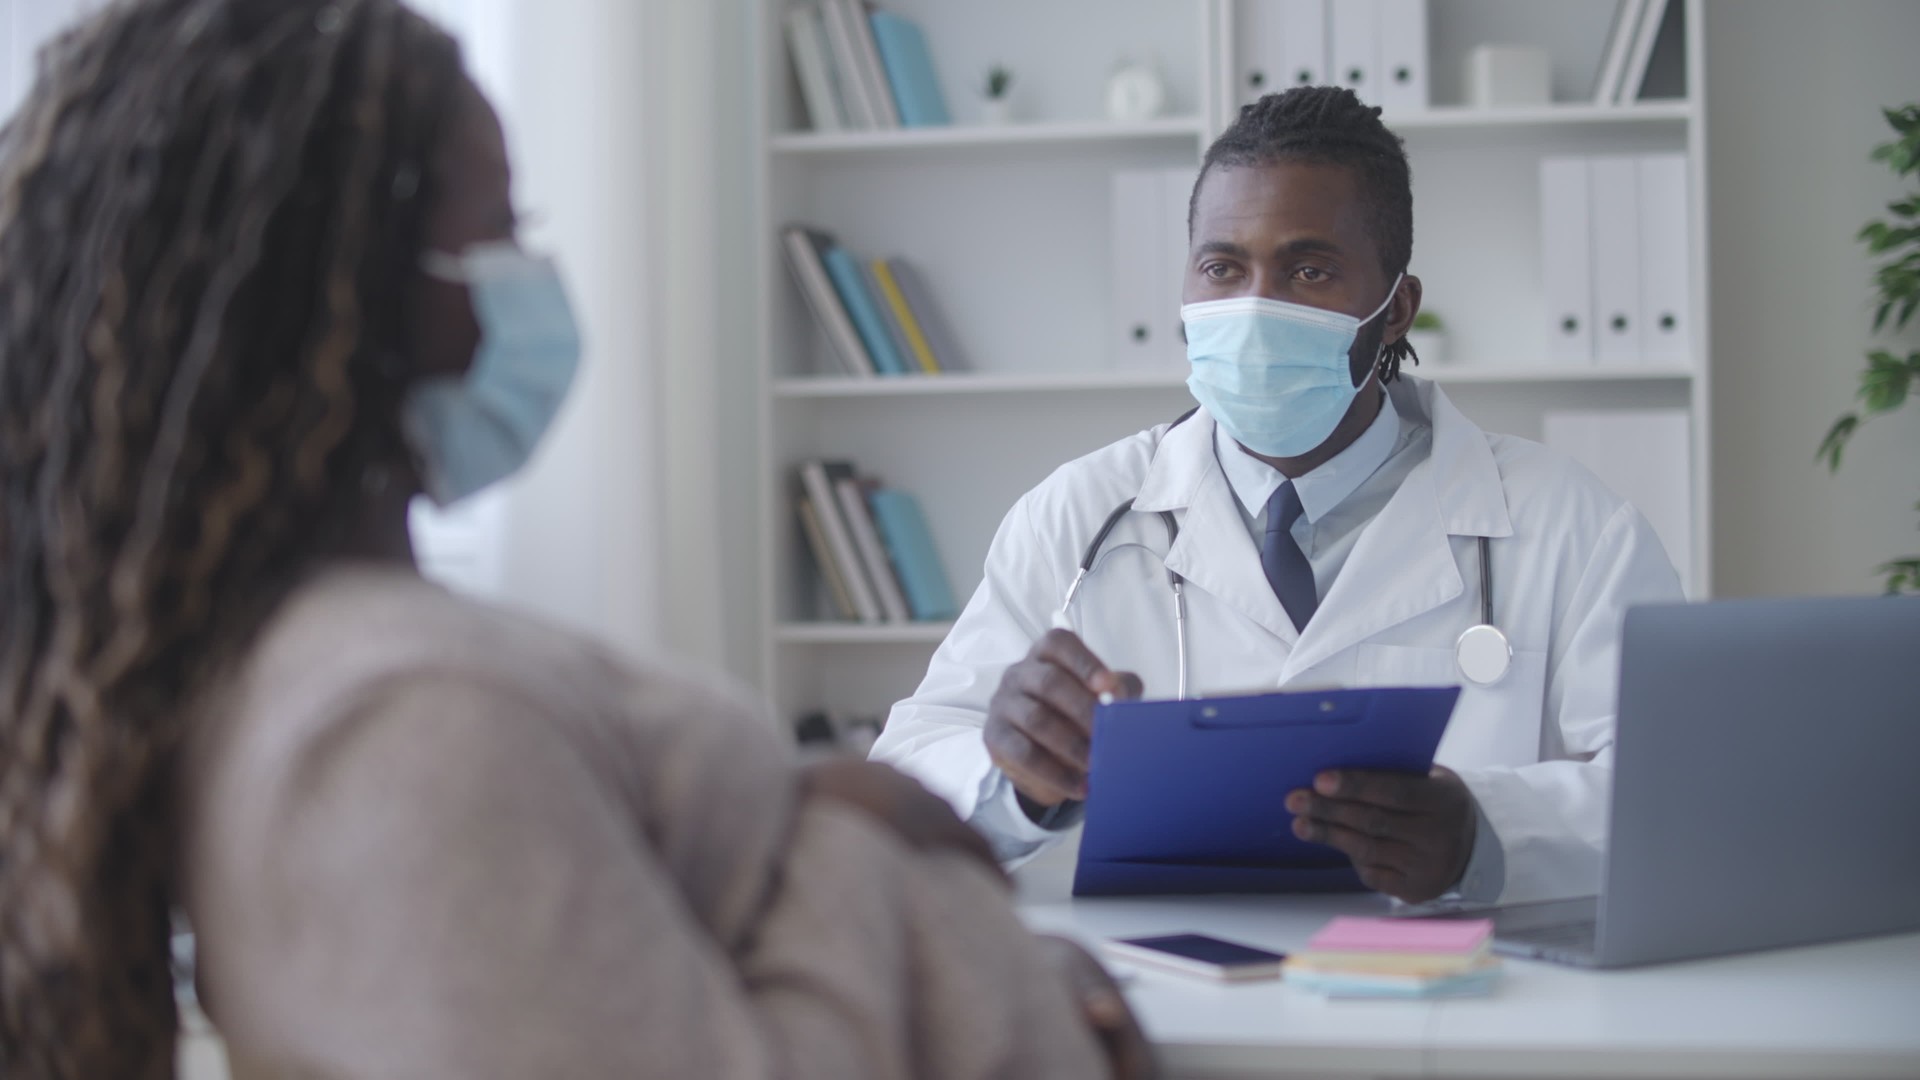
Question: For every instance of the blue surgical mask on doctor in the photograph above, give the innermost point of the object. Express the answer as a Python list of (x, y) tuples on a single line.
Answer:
[(469, 432), (1276, 375)]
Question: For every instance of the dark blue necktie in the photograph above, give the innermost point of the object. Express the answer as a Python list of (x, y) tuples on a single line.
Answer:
[(1286, 565)]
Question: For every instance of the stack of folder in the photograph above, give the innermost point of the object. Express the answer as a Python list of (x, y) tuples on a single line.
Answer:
[(1397, 958)]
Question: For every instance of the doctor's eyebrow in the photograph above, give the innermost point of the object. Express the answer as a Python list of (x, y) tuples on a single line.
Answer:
[(1303, 246)]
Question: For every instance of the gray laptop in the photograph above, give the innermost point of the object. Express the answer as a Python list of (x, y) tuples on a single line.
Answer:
[(1766, 785)]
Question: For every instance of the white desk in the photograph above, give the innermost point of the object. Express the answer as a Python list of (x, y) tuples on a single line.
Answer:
[(1845, 1010)]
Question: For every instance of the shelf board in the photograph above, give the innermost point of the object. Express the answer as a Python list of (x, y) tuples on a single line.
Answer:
[(839, 386), (983, 135), (1464, 117), (849, 633), (1441, 118)]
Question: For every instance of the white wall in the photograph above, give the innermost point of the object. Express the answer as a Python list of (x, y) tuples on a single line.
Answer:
[(576, 537), (698, 232), (1793, 96)]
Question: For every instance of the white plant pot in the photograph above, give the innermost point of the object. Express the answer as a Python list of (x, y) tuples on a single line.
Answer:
[(1430, 345), (996, 110)]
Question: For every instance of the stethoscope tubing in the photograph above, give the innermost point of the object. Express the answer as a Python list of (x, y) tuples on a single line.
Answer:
[(1485, 630)]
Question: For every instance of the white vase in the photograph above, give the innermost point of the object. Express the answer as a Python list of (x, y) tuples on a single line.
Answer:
[(1429, 345), (1135, 93), (996, 110)]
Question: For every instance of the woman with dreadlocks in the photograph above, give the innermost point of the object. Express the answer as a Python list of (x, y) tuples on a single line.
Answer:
[(258, 287)]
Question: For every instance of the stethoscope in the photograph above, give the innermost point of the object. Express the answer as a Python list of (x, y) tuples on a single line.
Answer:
[(1482, 652)]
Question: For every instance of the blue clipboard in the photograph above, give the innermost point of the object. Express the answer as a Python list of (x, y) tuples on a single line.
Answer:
[(1190, 796)]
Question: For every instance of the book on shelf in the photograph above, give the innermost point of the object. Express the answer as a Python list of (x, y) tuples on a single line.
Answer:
[(1613, 63), (909, 67), (890, 317), (914, 336), (851, 284), (870, 69), (817, 480), (1645, 36), (939, 336), (837, 590), (843, 53), (805, 255), (813, 69), (858, 60), (872, 547), (1664, 76), (873, 556), (877, 313), (910, 544)]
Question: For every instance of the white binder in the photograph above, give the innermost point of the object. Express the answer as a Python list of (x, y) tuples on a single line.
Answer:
[(1667, 329), (1566, 260), (808, 49), (1303, 43), (1176, 188), (1403, 56), (1613, 193), (1257, 63), (1354, 47), (1645, 457), (1280, 44), (1136, 326)]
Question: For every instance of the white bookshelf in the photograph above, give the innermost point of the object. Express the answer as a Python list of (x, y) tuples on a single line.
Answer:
[(1009, 226)]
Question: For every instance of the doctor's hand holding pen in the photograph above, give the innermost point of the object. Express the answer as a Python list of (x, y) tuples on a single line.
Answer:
[(1040, 721)]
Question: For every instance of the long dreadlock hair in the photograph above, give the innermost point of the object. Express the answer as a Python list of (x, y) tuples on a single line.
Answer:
[(1327, 125), (208, 214)]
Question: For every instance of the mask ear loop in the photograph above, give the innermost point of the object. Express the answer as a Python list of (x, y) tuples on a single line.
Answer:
[(1380, 353)]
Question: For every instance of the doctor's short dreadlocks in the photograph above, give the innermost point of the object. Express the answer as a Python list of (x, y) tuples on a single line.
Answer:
[(1327, 125)]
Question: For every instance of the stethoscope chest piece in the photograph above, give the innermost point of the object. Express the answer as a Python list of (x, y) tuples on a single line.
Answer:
[(1483, 653)]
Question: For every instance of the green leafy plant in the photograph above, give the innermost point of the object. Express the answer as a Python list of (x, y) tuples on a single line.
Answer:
[(1428, 320), (999, 81), (1889, 377)]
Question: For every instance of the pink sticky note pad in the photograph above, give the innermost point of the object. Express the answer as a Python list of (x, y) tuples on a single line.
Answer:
[(1349, 933)]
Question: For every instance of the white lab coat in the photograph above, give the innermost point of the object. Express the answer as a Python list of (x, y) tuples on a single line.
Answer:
[(1569, 557)]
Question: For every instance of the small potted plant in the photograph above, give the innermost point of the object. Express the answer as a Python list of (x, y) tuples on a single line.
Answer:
[(1428, 336), (996, 104)]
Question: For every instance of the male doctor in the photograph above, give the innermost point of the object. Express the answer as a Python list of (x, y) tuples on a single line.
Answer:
[(1330, 514)]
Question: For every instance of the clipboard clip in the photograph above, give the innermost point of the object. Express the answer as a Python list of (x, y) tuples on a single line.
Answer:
[(1300, 711)]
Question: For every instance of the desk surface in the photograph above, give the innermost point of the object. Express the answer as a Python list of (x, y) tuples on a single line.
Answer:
[(1850, 1009)]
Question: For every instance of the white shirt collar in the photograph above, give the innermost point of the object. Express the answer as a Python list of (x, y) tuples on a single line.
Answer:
[(1254, 481)]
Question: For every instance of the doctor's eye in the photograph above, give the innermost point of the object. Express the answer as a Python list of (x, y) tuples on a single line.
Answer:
[(1312, 275), (1217, 271)]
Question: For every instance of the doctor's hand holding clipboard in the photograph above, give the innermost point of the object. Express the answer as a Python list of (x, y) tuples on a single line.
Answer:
[(1408, 836)]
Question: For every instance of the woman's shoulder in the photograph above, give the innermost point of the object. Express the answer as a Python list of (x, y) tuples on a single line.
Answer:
[(363, 672), (352, 633)]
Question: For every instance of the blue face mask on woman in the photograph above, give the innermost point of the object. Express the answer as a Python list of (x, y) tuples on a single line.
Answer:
[(469, 432), (1275, 375)]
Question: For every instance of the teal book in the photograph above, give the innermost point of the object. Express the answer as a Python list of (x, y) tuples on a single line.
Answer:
[(909, 64), (910, 545), (851, 284)]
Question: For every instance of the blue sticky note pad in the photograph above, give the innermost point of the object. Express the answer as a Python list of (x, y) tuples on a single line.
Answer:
[(1190, 796)]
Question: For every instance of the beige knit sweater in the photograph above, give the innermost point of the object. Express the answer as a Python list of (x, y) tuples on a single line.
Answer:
[(423, 838)]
